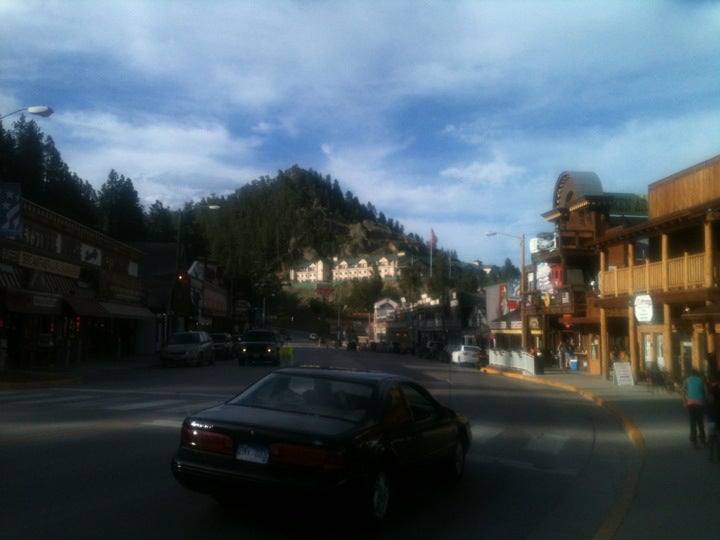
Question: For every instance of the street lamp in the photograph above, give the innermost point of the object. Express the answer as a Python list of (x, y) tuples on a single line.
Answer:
[(40, 110), (523, 336)]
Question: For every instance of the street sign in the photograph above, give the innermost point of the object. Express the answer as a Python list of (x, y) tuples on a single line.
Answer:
[(324, 288), (242, 305)]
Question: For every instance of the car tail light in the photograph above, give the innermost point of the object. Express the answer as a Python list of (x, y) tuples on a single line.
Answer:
[(207, 441), (306, 456)]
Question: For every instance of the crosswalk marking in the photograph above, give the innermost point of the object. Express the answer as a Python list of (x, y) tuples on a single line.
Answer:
[(18, 398), (544, 443), (144, 405), (164, 422), (61, 399), (547, 443), (482, 435), (118, 402), (192, 407)]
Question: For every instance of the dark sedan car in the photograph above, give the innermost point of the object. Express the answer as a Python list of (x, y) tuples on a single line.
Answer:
[(224, 345), (259, 346), (321, 430)]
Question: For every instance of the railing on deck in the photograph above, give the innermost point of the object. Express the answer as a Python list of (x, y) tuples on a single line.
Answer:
[(687, 272), (514, 360)]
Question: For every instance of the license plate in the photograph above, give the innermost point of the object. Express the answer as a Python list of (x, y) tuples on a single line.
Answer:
[(252, 453)]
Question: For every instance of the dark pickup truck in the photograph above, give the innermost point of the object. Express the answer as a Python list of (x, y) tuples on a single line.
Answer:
[(259, 346)]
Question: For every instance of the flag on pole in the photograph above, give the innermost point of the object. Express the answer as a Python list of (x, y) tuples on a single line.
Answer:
[(433, 243), (10, 202)]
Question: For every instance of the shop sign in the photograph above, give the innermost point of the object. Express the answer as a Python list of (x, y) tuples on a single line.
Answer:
[(46, 264), (10, 209), (622, 373), (643, 308), (90, 254)]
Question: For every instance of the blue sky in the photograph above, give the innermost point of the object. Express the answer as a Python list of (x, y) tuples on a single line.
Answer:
[(450, 115)]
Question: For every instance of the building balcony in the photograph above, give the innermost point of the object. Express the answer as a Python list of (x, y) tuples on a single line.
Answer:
[(689, 272), (569, 299)]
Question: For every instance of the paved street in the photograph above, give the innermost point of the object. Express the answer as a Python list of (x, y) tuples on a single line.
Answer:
[(659, 488)]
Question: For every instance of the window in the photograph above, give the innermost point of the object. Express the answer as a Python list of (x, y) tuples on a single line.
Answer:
[(422, 408)]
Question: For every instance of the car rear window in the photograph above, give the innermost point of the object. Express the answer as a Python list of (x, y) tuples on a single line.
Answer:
[(347, 400), (259, 336), (184, 339)]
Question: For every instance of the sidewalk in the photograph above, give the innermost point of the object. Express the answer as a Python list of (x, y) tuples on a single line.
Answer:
[(672, 491)]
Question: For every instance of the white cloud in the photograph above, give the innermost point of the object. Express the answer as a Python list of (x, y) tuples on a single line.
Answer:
[(457, 116)]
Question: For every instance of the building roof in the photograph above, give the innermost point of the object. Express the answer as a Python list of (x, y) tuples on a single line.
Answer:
[(572, 186)]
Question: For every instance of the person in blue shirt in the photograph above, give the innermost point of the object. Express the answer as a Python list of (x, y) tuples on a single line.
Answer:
[(713, 414), (694, 399)]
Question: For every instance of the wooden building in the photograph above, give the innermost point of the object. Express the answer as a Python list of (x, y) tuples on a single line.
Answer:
[(67, 292), (659, 296), (560, 302)]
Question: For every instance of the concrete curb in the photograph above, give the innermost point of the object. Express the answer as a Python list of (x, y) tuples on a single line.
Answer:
[(621, 507), (46, 383)]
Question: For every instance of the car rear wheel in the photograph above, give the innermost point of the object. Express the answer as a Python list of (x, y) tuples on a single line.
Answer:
[(378, 495), (456, 463)]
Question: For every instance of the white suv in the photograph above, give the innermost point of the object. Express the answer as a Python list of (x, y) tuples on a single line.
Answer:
[(188, 348), (466, 354)]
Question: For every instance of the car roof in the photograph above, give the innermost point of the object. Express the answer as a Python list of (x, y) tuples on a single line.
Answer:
[(343, 374)]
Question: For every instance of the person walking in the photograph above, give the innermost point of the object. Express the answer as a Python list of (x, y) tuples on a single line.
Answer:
[(694, 400), (713, 416), (562, 355)]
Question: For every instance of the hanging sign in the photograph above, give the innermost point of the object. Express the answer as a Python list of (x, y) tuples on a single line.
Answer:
[(643, 308)]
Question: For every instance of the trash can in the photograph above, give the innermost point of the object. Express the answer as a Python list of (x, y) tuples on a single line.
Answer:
[(539, 364)]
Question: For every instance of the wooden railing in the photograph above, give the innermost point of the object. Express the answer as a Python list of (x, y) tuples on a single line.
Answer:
[(567, 299), (687, 272)]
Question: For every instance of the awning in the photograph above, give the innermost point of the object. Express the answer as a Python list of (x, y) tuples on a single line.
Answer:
[(506, 323), (61, 285), (9, 280), (23, 301), (126, 311), (704, 313), (86, 307)]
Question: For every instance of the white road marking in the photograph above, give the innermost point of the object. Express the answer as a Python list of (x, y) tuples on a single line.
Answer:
[(546, 443), (190, 407), (144, 405), (164, 422)]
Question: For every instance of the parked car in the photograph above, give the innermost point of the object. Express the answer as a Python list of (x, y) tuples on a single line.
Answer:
[(467, 354), (195, 347), (433, 350), (224, 345), (318, 430), (259, 346), (445, 354)]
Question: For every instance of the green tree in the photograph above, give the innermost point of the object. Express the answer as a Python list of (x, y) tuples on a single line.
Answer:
[(365, 292), (508, 272), (26, 163), (120, 208), (410, 282), (160, 226), (64, 192)]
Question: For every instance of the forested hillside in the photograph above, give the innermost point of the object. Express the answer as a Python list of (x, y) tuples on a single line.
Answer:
[(256, 234), (268, 223), (299, 215)]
